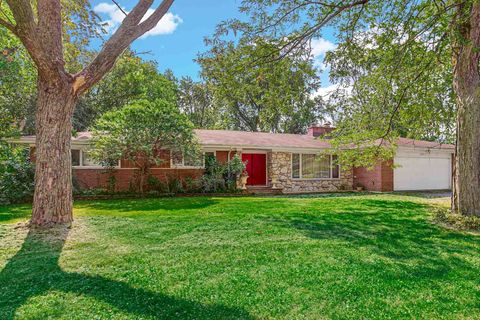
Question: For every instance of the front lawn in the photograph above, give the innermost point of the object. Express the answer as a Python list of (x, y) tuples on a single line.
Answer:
[(339, 257)]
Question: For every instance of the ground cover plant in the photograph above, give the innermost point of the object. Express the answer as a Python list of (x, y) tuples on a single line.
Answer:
[(299, 257)]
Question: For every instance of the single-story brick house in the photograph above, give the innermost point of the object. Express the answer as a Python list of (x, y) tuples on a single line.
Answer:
[(284, 162)]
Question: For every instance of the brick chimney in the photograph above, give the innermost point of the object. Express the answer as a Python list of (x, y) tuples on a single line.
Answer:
[(316, 130)]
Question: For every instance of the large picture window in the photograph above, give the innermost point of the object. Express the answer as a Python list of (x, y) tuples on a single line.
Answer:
[(313, 166)]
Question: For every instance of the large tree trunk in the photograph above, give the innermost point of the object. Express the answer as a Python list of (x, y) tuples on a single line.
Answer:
[(40, 31), (466, 187), (53, 172)]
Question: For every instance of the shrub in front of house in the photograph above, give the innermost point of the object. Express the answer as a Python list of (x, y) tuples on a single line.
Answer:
[(17, 175), (217, 178), (220, 177)]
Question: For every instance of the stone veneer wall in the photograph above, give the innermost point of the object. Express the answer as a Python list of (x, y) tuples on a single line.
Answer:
[(279, 168)]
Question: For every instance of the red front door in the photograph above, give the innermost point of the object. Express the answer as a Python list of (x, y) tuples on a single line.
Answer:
[(256, 168)]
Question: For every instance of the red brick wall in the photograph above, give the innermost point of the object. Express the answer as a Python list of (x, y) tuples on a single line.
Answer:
[(387, 176), (317, 131), (222, 156), (164, 156), (380, 178), (98, 178)]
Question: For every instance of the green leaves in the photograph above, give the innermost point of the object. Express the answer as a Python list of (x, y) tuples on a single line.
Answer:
[(18, 75), (140, 130), (258, 90), (16, 174), (131, 79), (197, 102), (392, 65), (17, 86)]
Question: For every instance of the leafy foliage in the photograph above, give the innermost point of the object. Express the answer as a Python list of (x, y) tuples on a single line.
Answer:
[(131, 79), (212, 179), (392, 66), (197, 102), (235, 168), (16, 175), (17, 87), (140, 132), (220, 177), (272, 96), (18, 76), (171, 185), (400, 83)]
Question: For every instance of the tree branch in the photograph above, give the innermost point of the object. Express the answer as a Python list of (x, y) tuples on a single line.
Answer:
[(44, 44), (152, 21), (49, 35), (23, 14), (119, 7), (296, 41), (7, 22), (8, 25), (129, 30)]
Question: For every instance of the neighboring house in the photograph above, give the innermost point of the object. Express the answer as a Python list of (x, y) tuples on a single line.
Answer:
[(287, 163)]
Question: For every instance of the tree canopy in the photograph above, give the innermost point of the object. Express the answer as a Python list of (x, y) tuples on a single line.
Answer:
[(132, 78), (18, 75), (197, 102), (392, 66), (410, 66), (274, 96), (140, 132)]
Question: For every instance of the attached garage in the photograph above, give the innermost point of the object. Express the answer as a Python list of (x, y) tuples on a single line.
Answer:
[(425, 169)]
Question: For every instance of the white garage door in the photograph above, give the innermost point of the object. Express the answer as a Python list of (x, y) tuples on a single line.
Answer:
[(422, 171)]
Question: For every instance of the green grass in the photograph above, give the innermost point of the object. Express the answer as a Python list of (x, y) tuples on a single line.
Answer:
[(333, 257)]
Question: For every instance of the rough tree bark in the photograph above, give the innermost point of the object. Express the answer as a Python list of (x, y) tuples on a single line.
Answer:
[(53, 186), (466, 186), (58, 91)]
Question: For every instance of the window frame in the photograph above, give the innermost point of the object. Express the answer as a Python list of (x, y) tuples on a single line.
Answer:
[(183, 166), (300, 167), (81, 166)]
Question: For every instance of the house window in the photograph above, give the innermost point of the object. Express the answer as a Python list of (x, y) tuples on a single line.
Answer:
[(76, 158), (81, 159), (335, 167), (87, 161), (209, 154), (192, 161), (178, 160), (295, 165), (312, 166)]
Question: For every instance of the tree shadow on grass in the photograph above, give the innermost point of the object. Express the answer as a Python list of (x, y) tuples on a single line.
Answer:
[(14, 212), (34, 271), (397, 233), (150, 205)]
